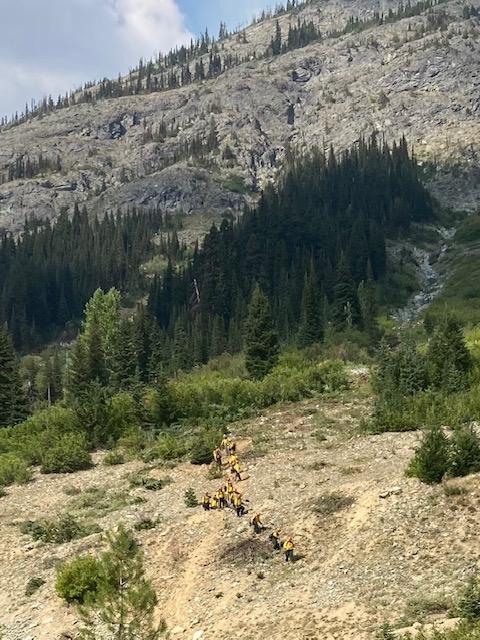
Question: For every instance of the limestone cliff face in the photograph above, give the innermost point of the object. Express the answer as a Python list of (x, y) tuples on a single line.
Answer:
[(418, 77)]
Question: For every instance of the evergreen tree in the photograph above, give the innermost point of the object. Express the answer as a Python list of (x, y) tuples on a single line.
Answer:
[(77, 372), (346, 312), (181, 354), (125, 604), (465, 454), (431, 460), (369, 309), (12, 397), (311, 327), (261, 341), (124, 375), (448, 354)]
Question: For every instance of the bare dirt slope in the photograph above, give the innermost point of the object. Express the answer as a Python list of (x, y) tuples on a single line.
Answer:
[(394, 548)]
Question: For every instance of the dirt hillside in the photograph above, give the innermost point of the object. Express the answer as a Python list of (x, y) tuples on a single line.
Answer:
[(383, 547)]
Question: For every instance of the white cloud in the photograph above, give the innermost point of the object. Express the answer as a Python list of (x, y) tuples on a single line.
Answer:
[(65, 43), (149, 26)]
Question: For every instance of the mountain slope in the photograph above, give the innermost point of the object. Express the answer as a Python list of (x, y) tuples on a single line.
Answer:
[(397, 550), (417, 76)]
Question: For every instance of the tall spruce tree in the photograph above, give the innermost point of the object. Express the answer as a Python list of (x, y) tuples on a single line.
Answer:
[(311, 327), (448, 354), (346, 311), (12, 397), (261, 340)]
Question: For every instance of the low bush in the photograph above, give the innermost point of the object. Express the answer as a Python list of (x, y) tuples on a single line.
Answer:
[(170, 447), (13, 470), (437, 456), (79, 581), (142, 481), (69, 453), (145, 524), (469, 602), (114, 458), (431, 460), (331, 503), (65, 529), (33, 585), (202, 446)]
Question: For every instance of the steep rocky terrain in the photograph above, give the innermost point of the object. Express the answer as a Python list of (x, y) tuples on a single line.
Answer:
[(418, 76), (384, 548)]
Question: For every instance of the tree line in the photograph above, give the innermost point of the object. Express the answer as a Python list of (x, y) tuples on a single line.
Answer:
[(48, 274)]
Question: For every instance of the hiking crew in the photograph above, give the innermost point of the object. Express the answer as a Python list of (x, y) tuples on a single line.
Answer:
[(257, 524), (275, 540), (288, 547), (228, 495)]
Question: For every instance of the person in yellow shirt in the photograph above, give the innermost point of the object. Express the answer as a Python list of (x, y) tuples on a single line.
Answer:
[(238, 504), (217, 456), (229, 490), (225, 442), (256, 523), (220, 496), (236, 470), (213, 503), (206, 501), (275, 539), (288, 548)]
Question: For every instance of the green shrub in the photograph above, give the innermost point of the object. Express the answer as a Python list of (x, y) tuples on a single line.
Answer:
[(469, 603), (65, 529), (330, 503), (67, 454), (33, 585), (190, 498), (141, 481), (465, 452), (133, 442), (431, 460), (145, 524), (170, 447), (13, 470), (114, 458), (79, 580), (202, 446)]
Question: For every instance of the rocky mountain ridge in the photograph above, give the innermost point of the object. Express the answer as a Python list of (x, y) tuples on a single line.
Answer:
[(207, 148)]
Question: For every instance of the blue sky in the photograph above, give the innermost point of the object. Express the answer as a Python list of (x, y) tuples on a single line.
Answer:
[(51, 46)]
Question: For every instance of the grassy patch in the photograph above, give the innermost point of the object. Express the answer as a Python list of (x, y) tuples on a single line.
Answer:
[(97, 502), (33, 585), (235, 183), (64, 529), (331, 503), (142, 481)]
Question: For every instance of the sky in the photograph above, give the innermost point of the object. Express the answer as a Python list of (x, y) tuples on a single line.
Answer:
[(52, 46)]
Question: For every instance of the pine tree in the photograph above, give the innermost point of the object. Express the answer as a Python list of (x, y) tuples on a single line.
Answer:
[(261, 341), (346, 312), (125, 606), (12, 397), (369, 309), (311, 327), (124, 374), (181, 355), (448, 354), (431, 460), (77, 372), (465, 455)]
